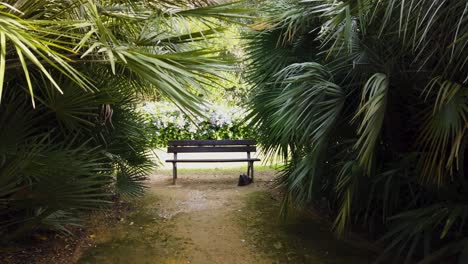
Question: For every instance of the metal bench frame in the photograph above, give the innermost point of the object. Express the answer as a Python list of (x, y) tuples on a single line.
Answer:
[(204, 146)]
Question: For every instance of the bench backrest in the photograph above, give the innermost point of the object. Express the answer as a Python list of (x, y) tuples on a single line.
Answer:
[(193, 146)]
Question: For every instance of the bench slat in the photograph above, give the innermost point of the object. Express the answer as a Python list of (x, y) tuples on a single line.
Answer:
[(212, 160), (211, 142), (210, 149)]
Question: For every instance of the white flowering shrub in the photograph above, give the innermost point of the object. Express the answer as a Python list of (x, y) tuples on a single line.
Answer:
[(164, 122)]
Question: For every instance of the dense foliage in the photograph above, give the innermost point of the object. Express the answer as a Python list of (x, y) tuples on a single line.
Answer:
[(71, 73), (368, 102), (164, 122)]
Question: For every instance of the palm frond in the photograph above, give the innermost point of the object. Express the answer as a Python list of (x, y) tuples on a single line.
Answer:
[(366, 100), (372, 111), (443, 133)]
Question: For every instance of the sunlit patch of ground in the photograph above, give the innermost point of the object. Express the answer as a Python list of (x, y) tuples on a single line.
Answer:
[(206, 218)]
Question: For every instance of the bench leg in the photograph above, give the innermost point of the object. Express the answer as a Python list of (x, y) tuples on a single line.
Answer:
[(250, 170), (174, 172)]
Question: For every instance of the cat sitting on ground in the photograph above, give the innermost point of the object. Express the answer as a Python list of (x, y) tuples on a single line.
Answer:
[(244, 180)]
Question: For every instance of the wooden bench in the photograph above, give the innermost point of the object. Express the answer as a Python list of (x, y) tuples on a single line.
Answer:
[(201, 146)]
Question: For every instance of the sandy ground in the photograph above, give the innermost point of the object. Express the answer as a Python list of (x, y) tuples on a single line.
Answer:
[(203, 213), (207, 219)]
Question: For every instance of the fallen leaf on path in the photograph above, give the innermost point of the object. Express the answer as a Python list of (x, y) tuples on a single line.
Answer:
[(278, 245)]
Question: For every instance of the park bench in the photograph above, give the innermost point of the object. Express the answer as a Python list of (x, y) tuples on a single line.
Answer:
[(204, 146)]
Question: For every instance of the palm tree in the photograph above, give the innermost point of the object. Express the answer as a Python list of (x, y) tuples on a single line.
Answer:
[(367, 100), (71, 73)]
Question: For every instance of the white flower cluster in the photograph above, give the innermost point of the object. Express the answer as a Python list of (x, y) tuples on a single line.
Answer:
[(164, 114)]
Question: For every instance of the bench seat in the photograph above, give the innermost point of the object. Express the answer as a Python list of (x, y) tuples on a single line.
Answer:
[(211, 160)]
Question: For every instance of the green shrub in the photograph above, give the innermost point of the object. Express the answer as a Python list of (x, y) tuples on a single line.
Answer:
[(369, 99), (166, 122), (71, 73)]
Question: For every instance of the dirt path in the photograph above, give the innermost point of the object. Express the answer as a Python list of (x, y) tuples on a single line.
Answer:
[(204, 215), (207, 219)]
